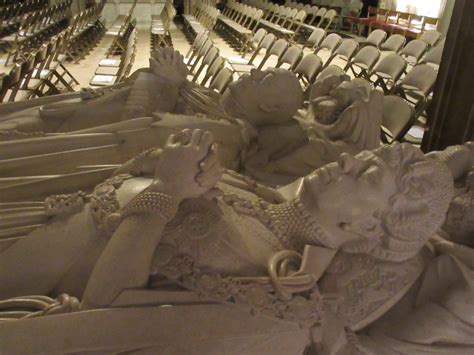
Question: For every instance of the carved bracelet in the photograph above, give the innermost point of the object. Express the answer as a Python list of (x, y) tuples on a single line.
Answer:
[(151, 202)]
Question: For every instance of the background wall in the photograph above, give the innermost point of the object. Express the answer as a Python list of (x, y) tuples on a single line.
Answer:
[(143, 10)]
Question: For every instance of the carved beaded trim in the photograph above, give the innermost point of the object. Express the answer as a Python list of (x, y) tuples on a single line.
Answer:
[(151, 202), (57, 205), (290, 222)]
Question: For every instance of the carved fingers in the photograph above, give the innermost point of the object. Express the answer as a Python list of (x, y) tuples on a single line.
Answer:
[(168, 64), (188, 165), (210, 169)]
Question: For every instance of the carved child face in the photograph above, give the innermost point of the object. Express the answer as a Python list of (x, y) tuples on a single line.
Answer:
[(344, 196), (264, 97)]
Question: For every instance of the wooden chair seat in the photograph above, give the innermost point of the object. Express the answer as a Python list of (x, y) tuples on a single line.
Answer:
[(107, 71)]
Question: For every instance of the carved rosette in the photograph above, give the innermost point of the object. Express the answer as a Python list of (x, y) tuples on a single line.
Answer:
[(105, 205)]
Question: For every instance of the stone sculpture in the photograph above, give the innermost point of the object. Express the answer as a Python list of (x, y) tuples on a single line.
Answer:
[(252, 123), (343, 117), (173, 250)]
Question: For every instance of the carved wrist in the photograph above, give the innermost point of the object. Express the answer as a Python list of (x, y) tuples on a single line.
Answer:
[(151, 203)]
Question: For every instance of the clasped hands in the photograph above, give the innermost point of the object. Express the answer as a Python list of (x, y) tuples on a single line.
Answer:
[(187, 166)]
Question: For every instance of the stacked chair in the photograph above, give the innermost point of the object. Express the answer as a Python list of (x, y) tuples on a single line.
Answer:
[(34, 28), (206, 66), (41, 73), (11, 13), (86, 30), (284, 21), (121, 22), (203, 18), (116, 68), (121, 30), (160, 26), (238, 23)]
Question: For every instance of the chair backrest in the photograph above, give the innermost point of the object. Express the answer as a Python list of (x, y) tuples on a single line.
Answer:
[(309, 67), (403, 19), (433, 56), (367, 56), (329, 71), (372, 11), (210, 56), (267, 41), (416, 21), (431, 23), (222, 80), (291, 57), (421, 77), (415, 49), (431, 37), (316, 38), (328, 18), (347, 48), (396, 115), (215, 67), (278, 48), (321, 12), (376, 38), (394, 43), (258, 36), (392, 65), (331, 42)]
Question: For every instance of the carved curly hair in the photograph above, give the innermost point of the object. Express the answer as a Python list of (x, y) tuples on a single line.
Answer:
[(416, 211)]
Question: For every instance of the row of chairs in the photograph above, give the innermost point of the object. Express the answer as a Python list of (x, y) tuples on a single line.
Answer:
[(404, 23), (203, 18), (115, 68), (42, 73), (209, 69), (315, 16), (160, 26), (4, 3), (35, 28), (86, 31), (12, 13), (283, 21), (415, 52), (238, 23), (206, 66), (120, 31)]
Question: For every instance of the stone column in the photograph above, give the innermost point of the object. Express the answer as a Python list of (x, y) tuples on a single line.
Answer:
[(451, 116)]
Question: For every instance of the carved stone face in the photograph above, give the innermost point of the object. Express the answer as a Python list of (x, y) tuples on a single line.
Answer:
[(326, 109), (344, 196), (264, 97)]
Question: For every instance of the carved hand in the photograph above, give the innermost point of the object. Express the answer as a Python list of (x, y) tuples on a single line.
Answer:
[(169, 65), (188, 166)]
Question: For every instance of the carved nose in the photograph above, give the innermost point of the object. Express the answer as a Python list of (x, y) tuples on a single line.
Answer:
[(349, 164)]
